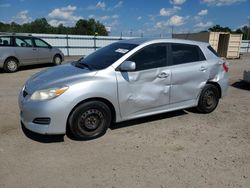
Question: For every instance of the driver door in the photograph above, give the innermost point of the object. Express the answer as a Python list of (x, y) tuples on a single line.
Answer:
[(146, 89)]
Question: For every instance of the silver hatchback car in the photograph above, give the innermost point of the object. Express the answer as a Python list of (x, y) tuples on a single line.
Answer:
[(17, 50), (122, 81)]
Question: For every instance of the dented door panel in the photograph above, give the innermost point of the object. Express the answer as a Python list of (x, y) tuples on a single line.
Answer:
[(188, 80), (143, 90)]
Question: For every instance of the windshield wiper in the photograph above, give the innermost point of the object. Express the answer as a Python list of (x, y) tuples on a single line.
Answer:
[(82, 65)]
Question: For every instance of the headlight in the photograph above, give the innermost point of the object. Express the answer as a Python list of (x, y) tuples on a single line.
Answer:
[(47, 94)]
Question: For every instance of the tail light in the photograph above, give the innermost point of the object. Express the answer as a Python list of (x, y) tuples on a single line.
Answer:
[(225, 67)]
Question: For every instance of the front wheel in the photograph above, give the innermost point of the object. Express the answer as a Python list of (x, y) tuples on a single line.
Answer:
[(90, 120), (209, 99), (11, 65)]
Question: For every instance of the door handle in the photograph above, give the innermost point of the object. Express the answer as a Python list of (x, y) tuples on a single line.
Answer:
[(34, 49), (203, 68), (163, 75)]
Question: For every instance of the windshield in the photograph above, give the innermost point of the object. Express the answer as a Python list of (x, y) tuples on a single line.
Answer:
[(106, 56)]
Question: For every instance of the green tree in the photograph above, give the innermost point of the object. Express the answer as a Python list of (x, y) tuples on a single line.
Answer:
[(218, 28), (82, 27), (246, 33)]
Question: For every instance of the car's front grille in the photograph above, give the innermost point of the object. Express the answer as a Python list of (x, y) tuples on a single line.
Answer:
[(42, 120), (25, 93)]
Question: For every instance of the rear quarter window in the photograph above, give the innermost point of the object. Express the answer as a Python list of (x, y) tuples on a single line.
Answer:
[(186, 53)]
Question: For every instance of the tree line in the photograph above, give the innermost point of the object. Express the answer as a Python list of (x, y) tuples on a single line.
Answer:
[(88, 27), (82, 27)]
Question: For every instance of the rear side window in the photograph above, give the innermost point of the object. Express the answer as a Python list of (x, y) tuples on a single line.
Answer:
[(5, 41), (185, 53), (150, 57), (23, 42), (213, 51)]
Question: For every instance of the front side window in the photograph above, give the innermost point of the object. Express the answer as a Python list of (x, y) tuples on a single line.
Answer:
[(186, 53), (150, 57), (5, 41), (40, 44)]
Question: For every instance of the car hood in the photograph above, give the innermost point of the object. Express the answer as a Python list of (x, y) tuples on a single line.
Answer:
[(56, 77)]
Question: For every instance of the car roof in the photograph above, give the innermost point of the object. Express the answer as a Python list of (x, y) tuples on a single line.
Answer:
[(14, 35), (140, 41)]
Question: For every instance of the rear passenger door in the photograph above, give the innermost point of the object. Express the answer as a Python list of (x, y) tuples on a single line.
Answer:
[(189, 72), (25, 51)]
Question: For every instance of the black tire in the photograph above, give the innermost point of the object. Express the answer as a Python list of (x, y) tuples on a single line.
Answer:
[(57, 60), (209, 99), (11, 65), (90, 120)]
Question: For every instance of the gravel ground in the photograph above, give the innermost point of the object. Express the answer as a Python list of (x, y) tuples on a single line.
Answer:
[(177, 149)]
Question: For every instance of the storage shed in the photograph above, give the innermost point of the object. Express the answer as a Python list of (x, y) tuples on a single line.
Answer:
[(226, 44)]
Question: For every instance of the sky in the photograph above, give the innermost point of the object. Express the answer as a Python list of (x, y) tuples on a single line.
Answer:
[(132, 17)]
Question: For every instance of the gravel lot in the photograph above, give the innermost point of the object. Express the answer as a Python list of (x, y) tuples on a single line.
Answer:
[(177, 149)]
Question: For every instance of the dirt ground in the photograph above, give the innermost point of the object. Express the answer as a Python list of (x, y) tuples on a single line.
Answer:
[(177, 149)]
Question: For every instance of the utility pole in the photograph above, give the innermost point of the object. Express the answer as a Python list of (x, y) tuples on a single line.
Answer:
[(121, 36), (172, 31), (248, 35)]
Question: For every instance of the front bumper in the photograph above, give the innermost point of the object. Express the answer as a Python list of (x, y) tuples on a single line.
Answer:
[(55, 109)]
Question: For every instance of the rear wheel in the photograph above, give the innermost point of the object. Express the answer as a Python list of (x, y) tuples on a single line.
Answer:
[(57, 60), (90, 120), (209, 99), (11, 65)]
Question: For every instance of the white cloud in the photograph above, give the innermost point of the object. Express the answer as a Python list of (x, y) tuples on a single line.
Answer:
[(203, 12), (115, 16), (173, 21), (139, 18), (100, 5), (5, 5), (91, 16), (205, 25), (176, 20), (64, 15), (177, 2), (22, 17), (221, 2), (102, 18), (169, 11), (119, 4)]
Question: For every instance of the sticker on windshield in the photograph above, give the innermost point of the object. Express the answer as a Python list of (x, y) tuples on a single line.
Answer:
[(120, 50)]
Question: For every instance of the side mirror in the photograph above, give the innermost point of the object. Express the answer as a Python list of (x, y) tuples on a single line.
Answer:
[(50, 47), (127, 66)]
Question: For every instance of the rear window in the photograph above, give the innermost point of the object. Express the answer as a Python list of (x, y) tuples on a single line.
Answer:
[(186, 53), (5, 41), (213, 51)]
